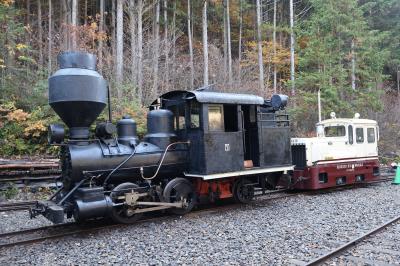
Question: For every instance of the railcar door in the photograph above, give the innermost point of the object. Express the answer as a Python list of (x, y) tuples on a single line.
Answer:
[(250, 134)]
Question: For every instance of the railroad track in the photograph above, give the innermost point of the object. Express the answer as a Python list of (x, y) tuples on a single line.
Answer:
[(352, 243), (34, 235), (17, 206)]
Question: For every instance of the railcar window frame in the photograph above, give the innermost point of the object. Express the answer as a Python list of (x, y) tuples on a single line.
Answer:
[(371, 138), (350, 133), (335, 132), (217, 125), (359, 137)]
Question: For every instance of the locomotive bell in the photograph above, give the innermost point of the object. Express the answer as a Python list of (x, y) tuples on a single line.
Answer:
[(77, 93)]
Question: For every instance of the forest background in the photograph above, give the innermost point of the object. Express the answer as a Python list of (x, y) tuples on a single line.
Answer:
[(349, 50)]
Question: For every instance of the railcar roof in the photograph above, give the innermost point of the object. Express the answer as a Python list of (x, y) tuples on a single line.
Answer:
[(206, 96), (347, 121)]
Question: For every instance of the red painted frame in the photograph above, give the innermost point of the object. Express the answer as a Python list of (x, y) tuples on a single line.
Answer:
[(308, 178)]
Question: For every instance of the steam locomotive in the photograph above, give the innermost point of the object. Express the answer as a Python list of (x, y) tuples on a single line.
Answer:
[(199, 144)]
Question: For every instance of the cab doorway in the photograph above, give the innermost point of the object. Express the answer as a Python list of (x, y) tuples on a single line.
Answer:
[(250, 134)]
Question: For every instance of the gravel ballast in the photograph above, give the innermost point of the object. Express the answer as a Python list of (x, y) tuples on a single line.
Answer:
[(280, 232)]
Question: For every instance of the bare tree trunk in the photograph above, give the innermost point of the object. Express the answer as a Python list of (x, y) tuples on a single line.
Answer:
[(85, 15), (132, 27), (259, 48), (120, 47), (205, 44), (240, 39), (101, 28), (74, 18), (28, 19), (40, 33), (353, 66), (173, 41), (274, 46), (64, 25), (292, 47), (228, 33), (190, 44), (225, 41), (156, 38), (113, 36), (50, 37), (140, 52), (166, 43)]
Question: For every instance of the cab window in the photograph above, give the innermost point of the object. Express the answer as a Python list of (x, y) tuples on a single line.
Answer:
[(350, 130), (179, 116), (371, 135), (360, 135), (215, 118), (194, 114), (335, 131)]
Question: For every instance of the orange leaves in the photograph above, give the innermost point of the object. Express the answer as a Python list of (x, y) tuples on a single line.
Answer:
[(6, 3), (17, 116)]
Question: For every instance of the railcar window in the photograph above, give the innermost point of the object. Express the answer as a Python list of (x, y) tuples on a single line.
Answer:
[(215, 118), (335, 131), (370, 135), (194, 114), (230, 118), (360, 135), (350, 129)]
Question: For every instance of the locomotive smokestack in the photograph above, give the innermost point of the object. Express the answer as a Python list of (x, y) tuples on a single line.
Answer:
[(77, 93)]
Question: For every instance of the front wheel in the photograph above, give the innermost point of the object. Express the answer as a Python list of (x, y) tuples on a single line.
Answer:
[(123, 213)]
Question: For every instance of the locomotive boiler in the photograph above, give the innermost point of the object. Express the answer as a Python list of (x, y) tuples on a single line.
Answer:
[(199, 144)]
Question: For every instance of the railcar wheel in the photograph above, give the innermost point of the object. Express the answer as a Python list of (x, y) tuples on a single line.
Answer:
[(243, 191), (123, 214), (180, 189)]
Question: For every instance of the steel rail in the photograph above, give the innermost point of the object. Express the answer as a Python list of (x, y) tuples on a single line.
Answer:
[(36, 229), (352, 243), (16, 206), (97, 228)]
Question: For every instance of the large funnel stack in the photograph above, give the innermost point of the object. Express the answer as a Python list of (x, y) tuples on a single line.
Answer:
[(77, 93)]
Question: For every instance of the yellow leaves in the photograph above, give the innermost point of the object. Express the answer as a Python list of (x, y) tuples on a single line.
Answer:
[(17, 115), (281, 58), (6, 3), (35, 130), (2, 65), (93, 25), (21, 46)]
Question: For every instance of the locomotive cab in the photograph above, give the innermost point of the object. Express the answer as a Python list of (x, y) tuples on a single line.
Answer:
[(345, 151), (231, 135)]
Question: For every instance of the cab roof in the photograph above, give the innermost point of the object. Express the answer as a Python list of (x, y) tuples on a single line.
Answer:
[(356, 121), (207, 96)]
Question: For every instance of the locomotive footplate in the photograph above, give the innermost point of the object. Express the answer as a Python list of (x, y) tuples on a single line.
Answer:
[(48, 209)]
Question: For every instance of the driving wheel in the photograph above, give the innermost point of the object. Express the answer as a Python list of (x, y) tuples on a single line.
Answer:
[(177, 190), (243, 191)]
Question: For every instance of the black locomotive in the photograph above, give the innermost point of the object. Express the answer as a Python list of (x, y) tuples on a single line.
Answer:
[(199, 144)]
